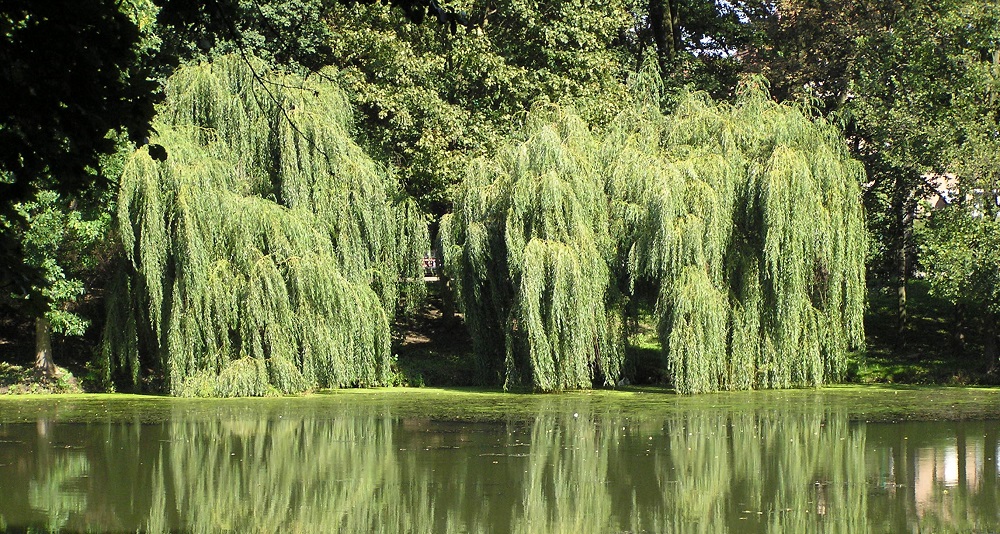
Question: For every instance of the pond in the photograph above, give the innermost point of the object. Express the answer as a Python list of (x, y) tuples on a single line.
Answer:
[(834, 460)]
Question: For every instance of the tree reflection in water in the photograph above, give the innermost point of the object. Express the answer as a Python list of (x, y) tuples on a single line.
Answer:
[(286, 475), (934, 476), (696, 472), (248, 468)]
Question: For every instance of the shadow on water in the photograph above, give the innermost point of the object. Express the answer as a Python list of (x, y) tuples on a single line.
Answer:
[(797, 465)]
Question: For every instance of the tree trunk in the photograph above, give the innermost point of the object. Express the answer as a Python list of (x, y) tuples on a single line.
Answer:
[(902, 277), (675, 27), (958, 334), (904, 210), (990, 347), (657, 23), (664, 20), (995, 59), (449, 309), (43, 347), (901, 318)]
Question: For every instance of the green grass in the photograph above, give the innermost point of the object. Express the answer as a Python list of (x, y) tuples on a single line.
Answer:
[(861, 403), (21, 380), (433, 348), (643, 355), (929, 353)]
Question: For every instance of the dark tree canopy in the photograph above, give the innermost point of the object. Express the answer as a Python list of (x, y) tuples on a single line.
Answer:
[(69, 73), (289, 32)]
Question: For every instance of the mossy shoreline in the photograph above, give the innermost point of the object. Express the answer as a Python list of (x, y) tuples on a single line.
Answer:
[(868, 403)]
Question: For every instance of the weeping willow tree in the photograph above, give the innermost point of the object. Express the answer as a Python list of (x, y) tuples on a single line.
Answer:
[(753, 232), (267, 253), (529, 247), (744, 221)]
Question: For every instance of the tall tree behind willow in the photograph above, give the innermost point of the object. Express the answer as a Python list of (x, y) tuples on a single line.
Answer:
[(430, 97), (960, 241), (265, 251), (529, 248), (747, 218), (698, 43)]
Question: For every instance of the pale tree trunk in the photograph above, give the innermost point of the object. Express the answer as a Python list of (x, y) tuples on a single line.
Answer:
[(958, 335), (995, 59), (449, 310), (905, 207), (991, 349), (43, 347), (902, 276), (901, 318)]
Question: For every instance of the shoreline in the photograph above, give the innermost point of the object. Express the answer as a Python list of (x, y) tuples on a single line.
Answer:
[(863, 403)]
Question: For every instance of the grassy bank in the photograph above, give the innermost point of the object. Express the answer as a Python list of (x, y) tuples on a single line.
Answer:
[(872, 403), (18, 379), (930, 350)]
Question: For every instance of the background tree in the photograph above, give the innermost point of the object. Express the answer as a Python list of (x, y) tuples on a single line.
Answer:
[(59, 240), (959, 243), (699, 44), (432, 96), (74, 74), (292, 33), (910, 116), (959, 249), (62, 96), (809, 49), (900, 78)]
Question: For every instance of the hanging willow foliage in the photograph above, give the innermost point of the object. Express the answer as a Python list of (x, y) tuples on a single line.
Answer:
[(529, 247), (268, 252), (745, 218), (753, 231)]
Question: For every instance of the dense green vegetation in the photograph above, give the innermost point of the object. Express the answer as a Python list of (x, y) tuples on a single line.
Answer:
[(747, 218), (530, 249), (230, 198), (267, 253)]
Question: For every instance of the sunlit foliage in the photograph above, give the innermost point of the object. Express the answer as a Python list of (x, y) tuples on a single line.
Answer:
[(744, 221), (754, 232), (529, 247), (960, 245), (267, 253)]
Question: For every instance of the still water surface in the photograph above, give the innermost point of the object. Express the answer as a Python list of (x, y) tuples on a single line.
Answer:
[(840, 461)]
